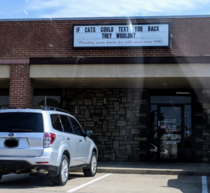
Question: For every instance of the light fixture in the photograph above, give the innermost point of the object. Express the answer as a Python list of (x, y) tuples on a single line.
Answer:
[(165, 84), (85, 84)]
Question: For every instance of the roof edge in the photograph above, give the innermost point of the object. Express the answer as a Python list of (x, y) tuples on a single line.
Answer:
[(105, 18)]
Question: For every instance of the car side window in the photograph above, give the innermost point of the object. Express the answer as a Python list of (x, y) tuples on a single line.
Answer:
[(56, 122), (66, 124), (76, 126)]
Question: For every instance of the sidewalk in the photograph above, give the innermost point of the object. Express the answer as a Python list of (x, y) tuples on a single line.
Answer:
[(198, 169)]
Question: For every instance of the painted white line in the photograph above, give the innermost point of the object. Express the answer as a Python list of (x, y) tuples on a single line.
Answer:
[(204, 184), (77, 188)]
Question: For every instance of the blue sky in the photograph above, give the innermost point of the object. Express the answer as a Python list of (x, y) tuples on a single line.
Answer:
[(14, 9)]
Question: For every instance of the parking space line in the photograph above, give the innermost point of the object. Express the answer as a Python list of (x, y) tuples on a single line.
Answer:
[(204, 184), (77, 188)]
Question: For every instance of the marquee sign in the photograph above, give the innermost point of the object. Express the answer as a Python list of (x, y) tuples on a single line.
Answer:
[(121, 36)]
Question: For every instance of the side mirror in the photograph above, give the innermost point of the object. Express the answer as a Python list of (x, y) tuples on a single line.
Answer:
[(88, 133)]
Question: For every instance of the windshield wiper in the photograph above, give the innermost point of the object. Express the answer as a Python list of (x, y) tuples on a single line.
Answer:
[(22, 130)]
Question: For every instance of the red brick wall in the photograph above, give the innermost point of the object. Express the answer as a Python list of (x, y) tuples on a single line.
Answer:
[(21, 86), (27, 39)]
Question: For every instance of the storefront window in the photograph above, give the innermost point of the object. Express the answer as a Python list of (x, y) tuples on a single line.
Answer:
[(53, 101), (4, 98), (47, 98), (4, 101)]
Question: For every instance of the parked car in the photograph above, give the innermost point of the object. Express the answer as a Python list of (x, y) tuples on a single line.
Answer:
[(48, 141)]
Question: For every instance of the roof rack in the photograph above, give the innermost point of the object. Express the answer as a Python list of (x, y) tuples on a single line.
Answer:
[(48, 108), (7, 107)]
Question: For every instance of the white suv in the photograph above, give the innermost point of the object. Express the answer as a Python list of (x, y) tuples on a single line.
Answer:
[(48, 141)]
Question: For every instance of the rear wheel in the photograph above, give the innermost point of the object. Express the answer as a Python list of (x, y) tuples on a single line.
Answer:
[(90, 172), (63, 175)]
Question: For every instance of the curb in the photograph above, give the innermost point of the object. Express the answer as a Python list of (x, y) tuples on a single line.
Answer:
[(153, 171), (150, 171)]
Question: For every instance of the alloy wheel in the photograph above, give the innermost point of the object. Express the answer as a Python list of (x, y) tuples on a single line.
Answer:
[(64, 170)]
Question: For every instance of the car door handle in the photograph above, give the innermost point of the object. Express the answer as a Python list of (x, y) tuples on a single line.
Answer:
[(68, 138), (80, 140)]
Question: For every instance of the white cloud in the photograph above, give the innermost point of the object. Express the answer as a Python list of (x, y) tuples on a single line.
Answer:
[(25, 12), (101, 8)]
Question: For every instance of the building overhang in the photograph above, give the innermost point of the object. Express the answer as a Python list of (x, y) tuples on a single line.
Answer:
[(181, 75)]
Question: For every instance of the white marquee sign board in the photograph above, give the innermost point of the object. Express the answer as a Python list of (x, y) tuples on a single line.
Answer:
[(121, 36)]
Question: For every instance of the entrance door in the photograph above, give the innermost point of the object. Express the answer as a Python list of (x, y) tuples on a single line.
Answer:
[(170, 127), (171, 132)]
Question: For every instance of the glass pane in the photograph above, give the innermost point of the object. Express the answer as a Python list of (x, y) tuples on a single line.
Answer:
[(76, 126), (53, 101), (56, 122), (66, 124), (187, 133), (170, 132), (12, 122), (170, 99), (4, 101), (153, 133), (37, 101)]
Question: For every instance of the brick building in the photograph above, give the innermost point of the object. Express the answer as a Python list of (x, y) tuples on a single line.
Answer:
[(143, 103)]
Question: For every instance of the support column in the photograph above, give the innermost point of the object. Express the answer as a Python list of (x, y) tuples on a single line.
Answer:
[(21, 86)]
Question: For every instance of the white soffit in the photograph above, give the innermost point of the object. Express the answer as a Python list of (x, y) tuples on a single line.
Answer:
[(4, 71), (120, 71)]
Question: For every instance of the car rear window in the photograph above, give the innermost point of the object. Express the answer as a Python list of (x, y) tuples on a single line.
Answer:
[(21, 122)]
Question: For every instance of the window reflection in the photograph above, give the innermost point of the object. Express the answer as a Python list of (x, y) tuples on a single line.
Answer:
[(38, 101), (187, 133), (4, 101), (153, 133), (53, 101), (170, 132)]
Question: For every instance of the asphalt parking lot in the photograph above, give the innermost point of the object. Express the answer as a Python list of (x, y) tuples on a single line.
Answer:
[(103, 183)]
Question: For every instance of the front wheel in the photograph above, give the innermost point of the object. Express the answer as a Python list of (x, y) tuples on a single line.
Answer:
[(90, 172), (63, 175)]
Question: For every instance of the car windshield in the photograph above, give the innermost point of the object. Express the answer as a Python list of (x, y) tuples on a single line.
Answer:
[(21, 122)]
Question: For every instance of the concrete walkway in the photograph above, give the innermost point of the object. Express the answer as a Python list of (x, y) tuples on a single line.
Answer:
[(198, 169)]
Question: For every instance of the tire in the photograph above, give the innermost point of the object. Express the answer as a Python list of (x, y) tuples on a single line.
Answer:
[(1, 175), (63, 174), (90, 172)]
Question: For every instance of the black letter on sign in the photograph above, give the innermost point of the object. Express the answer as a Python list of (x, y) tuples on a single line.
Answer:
[(77, 29)]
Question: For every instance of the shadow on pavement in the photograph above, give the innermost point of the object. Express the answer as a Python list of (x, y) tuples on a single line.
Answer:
[(186, 184), (25, 181)]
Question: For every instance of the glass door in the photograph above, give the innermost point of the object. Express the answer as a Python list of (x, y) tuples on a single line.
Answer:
[(170, 126)]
